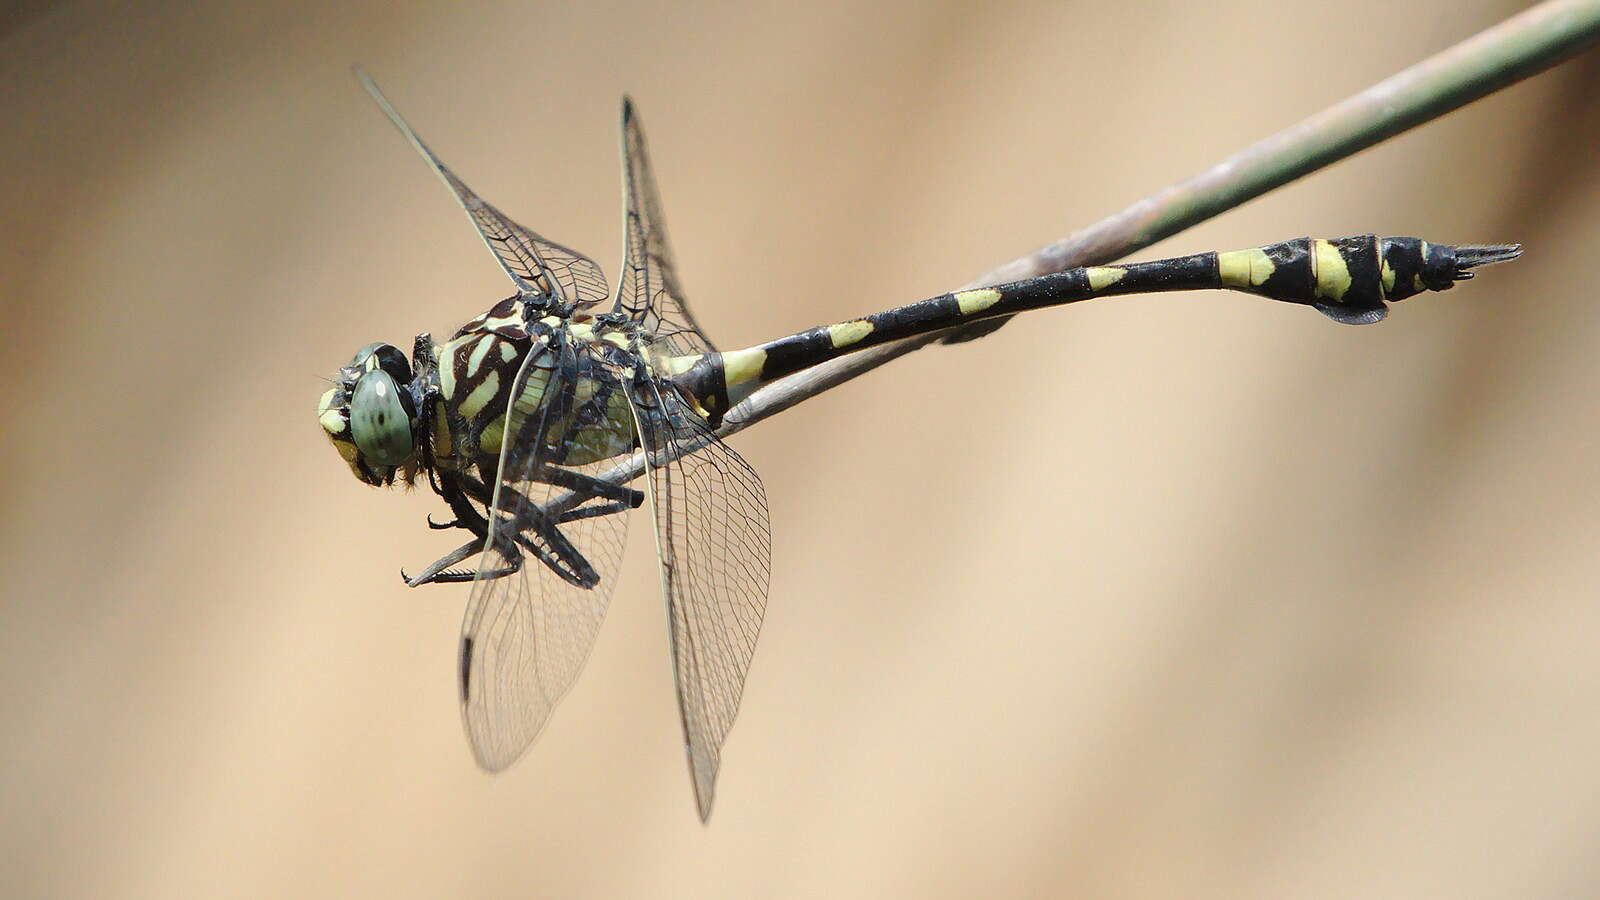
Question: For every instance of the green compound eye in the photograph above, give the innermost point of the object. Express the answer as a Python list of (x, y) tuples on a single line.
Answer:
[(378, 420)]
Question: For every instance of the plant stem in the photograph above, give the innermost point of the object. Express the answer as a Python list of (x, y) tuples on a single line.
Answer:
[(1504, 54), (1523, 45)]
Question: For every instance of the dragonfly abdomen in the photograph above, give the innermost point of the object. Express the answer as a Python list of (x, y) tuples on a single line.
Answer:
[(1347, 279)]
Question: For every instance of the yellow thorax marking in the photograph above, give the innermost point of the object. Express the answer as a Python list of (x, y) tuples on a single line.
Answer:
[(443, 443), (478, 353), (846, 333), (447, 376), (1102, 277), (1386, 279), (1331, 271), (490, 323), (481, 395), (976, 301), (493, 433)]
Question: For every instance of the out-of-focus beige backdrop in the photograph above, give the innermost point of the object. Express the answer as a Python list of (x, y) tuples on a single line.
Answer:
[(1177, 597)]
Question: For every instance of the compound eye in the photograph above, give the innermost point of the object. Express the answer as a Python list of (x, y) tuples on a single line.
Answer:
[(383, 356), (378, 420)]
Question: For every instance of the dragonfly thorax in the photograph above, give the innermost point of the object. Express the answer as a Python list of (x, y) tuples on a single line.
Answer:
[(570, 400)]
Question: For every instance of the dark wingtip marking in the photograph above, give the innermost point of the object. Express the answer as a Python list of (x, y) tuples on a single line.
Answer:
[(466, 667)]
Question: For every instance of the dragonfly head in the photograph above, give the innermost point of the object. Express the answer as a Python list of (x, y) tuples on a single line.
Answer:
[(370, 416)]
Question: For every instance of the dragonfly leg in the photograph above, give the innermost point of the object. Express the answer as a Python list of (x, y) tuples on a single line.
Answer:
[(618, 498), (551, 547), (614, 498), (440, 571), (588, 484), (604, 509), (584, 488), (533, 530)]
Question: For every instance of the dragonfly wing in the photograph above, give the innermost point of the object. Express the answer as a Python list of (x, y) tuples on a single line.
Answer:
[(527, 634), (715, 545), (648, 290), (536, 265)]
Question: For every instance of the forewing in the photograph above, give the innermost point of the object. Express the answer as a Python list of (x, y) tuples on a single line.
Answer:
[(710, 515), (648, 291), (526, 635), (536, 265)]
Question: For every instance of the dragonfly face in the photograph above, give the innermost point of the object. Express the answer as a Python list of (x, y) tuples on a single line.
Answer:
[(370, 415)]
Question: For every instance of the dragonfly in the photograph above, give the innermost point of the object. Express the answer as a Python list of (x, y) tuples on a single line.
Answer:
[(534, 421)]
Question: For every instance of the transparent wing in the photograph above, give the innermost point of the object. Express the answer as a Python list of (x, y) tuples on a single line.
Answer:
[(527, 634), (648, 291), (716, 556), (535, 265)]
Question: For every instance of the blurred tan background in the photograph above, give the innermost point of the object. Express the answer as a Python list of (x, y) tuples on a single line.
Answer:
[(1174, 597)]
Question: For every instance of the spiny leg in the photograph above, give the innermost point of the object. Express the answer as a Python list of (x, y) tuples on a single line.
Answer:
[(439, 572), (604, 509), (594, 487), (619, 498), (552, 549), (527, 522), (556, 552), (459, 490), (615, 498)]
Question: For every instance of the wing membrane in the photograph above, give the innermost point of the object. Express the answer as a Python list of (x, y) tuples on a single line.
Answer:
[(536, 265), (710, 514), (526, 635), (648, 291)]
